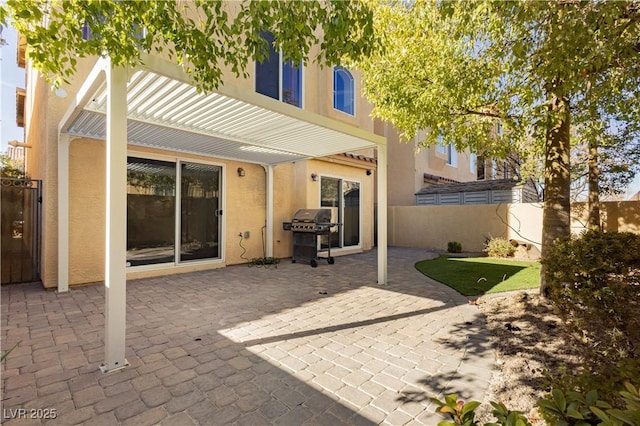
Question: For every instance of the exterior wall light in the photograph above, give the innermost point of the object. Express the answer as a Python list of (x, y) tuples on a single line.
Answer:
[(241, 172), (314, 177), (369, 172)]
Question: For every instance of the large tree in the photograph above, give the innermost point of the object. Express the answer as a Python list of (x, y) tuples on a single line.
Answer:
[(461, 69), (203, 36)]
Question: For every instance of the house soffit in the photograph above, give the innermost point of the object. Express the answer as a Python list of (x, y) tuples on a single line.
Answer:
[(169, 113)]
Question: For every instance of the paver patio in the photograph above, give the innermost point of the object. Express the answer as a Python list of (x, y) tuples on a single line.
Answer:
[(249, 346)]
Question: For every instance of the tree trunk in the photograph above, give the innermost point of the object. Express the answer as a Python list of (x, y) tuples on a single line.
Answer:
[(557, 180), (593, 220)]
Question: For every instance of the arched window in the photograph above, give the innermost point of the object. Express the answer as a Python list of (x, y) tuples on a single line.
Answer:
[(343, 91)]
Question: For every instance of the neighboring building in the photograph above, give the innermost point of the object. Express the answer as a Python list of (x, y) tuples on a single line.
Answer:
[(413, 169), (633, 190), (210, 178), (16, 154), (12, 76)]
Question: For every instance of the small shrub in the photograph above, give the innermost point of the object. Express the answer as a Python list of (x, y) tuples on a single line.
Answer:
[(603, 378), (499, 247), (560, 408), (454, 247), (578, 408), (463, 413), (264, 262)]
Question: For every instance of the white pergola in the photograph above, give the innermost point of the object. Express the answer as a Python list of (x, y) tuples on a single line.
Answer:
[(156, 105)]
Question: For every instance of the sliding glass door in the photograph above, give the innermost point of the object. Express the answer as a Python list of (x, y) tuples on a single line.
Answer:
[(342, 197), (162, 214)]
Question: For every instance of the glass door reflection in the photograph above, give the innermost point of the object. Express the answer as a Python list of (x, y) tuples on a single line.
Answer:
[(151, 193), (199, 211)]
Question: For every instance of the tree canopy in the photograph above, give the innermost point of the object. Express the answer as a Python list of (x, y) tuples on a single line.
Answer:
[(460, 68), (202, 35), (542, 71), (10, 168)]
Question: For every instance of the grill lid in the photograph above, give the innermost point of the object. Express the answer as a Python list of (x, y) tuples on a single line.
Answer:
[(312, 216)]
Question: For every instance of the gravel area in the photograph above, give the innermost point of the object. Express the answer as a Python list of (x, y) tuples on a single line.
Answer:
[(529, 339)]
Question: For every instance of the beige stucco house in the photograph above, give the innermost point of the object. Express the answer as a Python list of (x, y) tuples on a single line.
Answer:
[(210, 178), (142, 175)]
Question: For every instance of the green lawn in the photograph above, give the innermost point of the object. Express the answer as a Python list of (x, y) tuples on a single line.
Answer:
[(473, 276)]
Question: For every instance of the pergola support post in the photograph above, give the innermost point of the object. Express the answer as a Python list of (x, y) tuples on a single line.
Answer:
[(116, 220), (381, 174), (269, 213), (64, 140)]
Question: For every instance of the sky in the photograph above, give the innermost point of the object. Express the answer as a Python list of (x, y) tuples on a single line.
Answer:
[(11, 77)]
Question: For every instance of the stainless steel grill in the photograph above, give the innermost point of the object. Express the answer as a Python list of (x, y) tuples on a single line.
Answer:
[(307, 225)]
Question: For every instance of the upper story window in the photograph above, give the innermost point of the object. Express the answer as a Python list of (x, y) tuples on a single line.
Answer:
[(481, 172), (138, 31), (277, 78), (473, 163), (343, 91), (441, 147), (20, 99), (449, 150), (22, 47), (452, 155), (87, 34)]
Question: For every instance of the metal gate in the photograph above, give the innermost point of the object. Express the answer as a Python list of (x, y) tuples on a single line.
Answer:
[(20, 203)]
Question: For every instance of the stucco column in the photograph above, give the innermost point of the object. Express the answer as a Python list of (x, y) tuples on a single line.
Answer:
[(64, 141), (381, 174), (269, 213), (116, 220)]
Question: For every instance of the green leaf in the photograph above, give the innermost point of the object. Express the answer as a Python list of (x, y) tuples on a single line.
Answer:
[(469, 407), (445, 409), (451, 399), (436, 401), (592, 397), (559, 399), (574, 414), (549, 407), (623, 417), (598, 412), (631, 389)]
